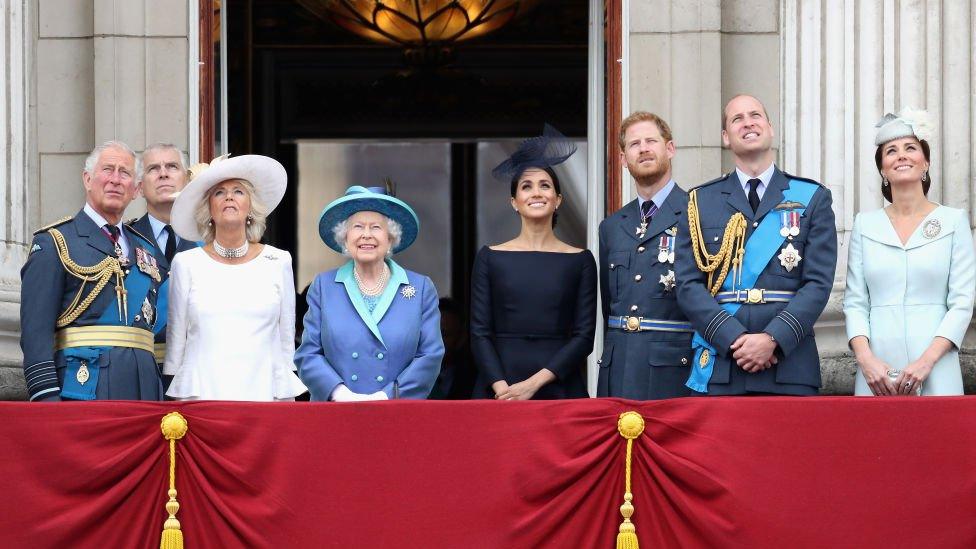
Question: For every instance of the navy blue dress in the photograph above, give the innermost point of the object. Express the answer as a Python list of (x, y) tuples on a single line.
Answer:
[(533, 310)]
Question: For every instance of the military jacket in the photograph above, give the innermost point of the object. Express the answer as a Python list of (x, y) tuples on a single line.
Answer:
[(789, 322), (48, 290)]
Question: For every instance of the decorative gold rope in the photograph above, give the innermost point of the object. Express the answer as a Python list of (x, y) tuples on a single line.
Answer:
[(731, 252), (174, 427), (630, 425), (100, 273)]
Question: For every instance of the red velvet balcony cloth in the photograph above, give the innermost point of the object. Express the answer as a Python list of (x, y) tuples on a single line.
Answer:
[(708, 472)]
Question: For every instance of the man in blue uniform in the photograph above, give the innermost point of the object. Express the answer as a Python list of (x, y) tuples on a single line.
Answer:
[(88, 295), (758, 249), (647, 347), (164, 174)]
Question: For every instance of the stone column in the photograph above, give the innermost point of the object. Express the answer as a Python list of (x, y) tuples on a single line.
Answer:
[(845, 64), (16, 141)]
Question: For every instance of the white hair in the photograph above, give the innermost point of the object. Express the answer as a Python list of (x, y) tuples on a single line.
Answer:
[(258, 215), (392, 228), (93, 156), (184, 164)]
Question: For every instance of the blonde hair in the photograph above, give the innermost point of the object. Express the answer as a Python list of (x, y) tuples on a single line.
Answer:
[(258, 215)]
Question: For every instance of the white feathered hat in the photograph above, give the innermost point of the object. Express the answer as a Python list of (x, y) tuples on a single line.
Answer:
[(909, 122), (266, 174)]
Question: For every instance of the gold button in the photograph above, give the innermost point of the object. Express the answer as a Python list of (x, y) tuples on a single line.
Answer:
[(640, 249), (633, 307), (637, 278)]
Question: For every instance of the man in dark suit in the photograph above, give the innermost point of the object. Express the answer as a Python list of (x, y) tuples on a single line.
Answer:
[(758, 253), (88, 295), (647, 347), (164, 175)]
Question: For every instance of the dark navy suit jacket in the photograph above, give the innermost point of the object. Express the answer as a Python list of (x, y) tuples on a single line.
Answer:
[(791, 324)]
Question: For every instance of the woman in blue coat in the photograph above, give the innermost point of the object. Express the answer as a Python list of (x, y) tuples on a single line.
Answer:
[(372, 331)]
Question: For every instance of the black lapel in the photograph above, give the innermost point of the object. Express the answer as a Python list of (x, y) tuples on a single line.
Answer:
[(773, 194), (93, 234), (667, 214), (736, 196), (630, 219)]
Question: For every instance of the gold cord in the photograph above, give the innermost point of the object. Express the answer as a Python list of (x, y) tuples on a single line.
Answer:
[(100, 274), (730, 253), (174, 427)]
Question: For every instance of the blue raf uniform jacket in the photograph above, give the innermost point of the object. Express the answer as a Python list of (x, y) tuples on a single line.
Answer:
[(47, 290), (650, 364), (144, 227), (396, 349), (790, 323)]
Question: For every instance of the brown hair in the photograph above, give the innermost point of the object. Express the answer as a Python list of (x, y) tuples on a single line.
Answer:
[(733, 98), (926, 178), (555, 185), (644, 116)]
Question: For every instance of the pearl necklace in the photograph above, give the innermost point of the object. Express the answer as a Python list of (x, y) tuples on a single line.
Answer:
[(378, 287), (230, 253)]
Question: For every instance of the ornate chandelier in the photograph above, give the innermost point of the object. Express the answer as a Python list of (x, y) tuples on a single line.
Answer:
[(420, 24)]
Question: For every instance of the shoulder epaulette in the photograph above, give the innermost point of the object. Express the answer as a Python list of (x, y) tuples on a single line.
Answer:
[(807, 179), (61, 221), (716, 180), (128, 225)]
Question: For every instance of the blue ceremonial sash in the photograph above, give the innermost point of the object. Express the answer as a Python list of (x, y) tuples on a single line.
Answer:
[(162, 306), (759, 250)]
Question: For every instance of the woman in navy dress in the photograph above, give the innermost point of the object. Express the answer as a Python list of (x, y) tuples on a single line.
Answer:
[(533, 311)]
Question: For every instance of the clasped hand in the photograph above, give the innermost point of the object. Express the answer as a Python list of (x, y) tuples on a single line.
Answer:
[(754, 352), (343, 394)]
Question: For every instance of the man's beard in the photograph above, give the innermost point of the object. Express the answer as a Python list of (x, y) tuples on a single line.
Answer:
[(651, 176)]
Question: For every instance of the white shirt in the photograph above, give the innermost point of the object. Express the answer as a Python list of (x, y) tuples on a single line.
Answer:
[(230, 334), (101, 222), (764, 179)]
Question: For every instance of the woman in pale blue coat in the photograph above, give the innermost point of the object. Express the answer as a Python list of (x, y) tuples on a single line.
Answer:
[(911, 274), (372, 330)]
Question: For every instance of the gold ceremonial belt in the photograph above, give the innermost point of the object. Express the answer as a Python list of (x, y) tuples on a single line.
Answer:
[(104, 336), (160, 350)]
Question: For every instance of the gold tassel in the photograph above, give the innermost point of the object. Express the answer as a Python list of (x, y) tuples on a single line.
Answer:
[(174, 427), (630, 425)]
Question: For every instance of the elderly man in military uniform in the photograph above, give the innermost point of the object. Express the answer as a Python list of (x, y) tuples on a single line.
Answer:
[(759, 249), (164, 174), (647, 347), (88, 295)]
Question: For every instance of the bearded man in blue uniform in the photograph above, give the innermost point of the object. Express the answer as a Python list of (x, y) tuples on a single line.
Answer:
[(88, 295), (757, 253), (647, 347)]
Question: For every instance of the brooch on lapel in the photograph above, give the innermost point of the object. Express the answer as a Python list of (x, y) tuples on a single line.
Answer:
[(932, 228), (147, 264), (667, 280), (789, 257), (408, 291)]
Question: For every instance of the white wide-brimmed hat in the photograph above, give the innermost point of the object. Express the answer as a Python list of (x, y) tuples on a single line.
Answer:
[(266, 174)]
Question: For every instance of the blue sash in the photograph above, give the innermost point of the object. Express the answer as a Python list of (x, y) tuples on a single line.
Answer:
[(759, 250), (137, 284)]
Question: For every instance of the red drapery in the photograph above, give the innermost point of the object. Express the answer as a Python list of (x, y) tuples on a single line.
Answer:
[(716, 472)]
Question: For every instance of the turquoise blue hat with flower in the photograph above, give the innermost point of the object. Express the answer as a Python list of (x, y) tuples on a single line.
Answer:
[(368, 199)]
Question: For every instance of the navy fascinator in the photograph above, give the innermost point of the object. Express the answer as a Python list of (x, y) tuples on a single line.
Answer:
[(545, 151)]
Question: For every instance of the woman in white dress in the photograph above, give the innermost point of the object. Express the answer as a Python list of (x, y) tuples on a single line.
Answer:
[(911, 274), (231, 327)]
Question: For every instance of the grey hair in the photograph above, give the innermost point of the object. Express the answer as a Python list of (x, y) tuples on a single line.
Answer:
[(258, 215), (184, 164), (392, 227), (93, 156)]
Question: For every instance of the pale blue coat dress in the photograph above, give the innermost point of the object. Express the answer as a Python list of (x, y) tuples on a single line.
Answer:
[(393, 345), (901, 297)]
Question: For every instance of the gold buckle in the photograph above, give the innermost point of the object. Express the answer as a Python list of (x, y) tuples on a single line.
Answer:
[(756, 295), (633, 324)]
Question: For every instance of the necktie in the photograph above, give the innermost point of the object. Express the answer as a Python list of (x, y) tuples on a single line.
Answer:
[(647, 210), (170, 243), (113, 234), (754, 194)]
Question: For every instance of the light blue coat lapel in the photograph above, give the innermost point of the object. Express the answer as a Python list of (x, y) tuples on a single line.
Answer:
[(398, 276)]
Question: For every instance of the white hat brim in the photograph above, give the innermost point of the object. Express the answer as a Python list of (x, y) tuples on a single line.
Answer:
[(266, 174)]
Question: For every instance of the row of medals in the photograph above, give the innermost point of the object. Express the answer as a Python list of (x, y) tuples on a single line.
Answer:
[(665, 252)]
